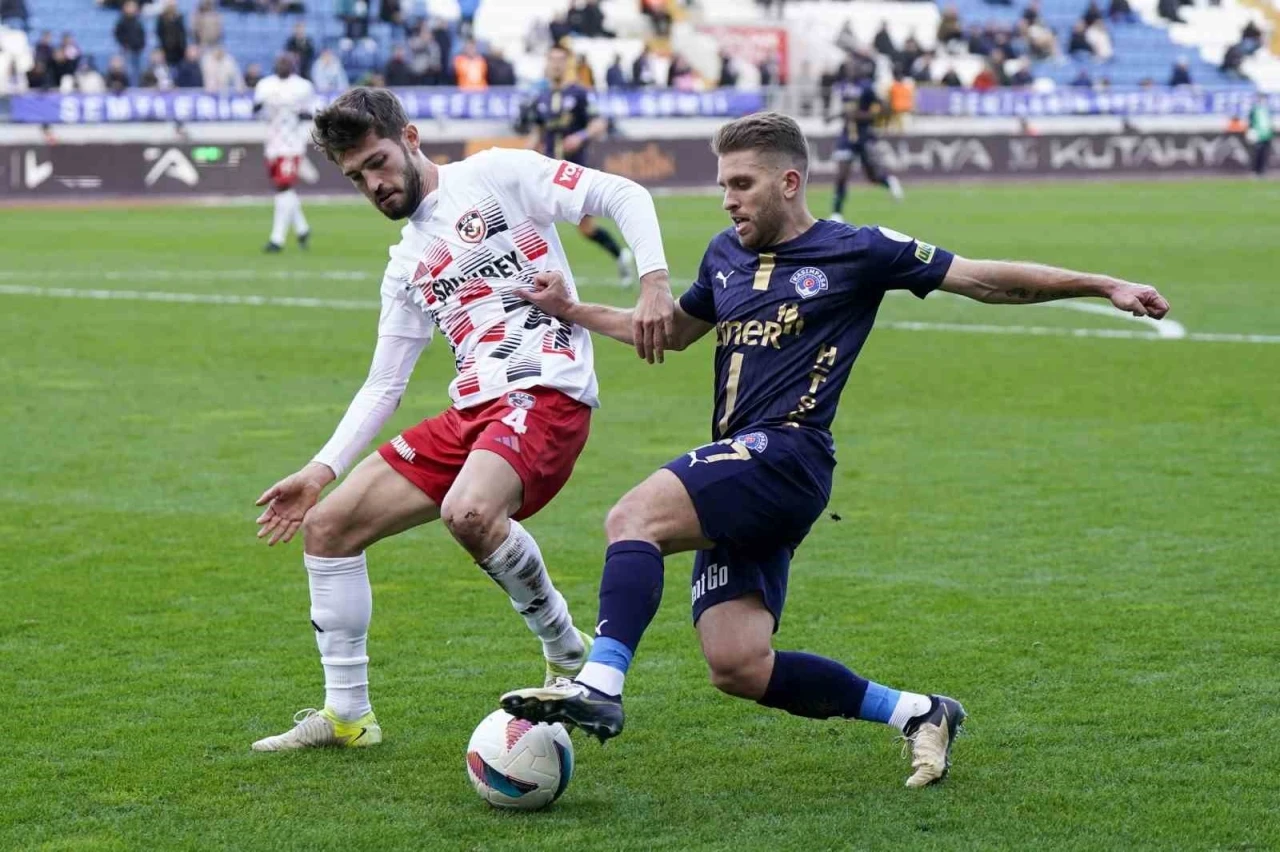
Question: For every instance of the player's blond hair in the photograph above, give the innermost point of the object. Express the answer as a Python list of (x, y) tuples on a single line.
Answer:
[(346, 121), (769, 132)]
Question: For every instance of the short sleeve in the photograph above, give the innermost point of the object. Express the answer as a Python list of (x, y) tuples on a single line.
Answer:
[(400, 317), (900, 262), (699, 300), (549, 190)]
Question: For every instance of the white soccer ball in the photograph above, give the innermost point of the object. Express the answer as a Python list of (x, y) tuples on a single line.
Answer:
[(517, 764)]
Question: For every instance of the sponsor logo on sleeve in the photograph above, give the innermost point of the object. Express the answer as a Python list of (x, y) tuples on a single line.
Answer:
[(925, 252), (568, 175)]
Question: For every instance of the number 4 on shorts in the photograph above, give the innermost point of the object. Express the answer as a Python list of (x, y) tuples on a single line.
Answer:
[(516, 420)]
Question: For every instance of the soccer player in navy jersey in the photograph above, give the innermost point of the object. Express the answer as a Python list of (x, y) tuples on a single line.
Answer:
[(566, 122), (792, 300)]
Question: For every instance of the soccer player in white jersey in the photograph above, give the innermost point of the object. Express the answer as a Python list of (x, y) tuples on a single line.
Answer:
[(287, 100), (478, 232)]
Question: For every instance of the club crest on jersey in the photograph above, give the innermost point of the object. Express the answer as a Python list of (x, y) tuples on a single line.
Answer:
[(471, 227), (809, 281), (754, 441), (520, 399)]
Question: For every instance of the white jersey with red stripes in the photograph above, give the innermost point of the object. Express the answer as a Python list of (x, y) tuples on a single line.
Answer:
[(482, 235), (283, 101)]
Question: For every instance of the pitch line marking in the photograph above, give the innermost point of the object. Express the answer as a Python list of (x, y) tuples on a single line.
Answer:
[(367, 305)]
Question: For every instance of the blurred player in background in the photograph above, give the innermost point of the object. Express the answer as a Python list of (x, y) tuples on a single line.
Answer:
[(565, 122), (792, 301), (287, 101), (478, 231), (859, 108), (1260, 132)]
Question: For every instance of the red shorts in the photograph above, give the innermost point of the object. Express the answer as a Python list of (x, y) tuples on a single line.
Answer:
[(283, 171), (540, 432)]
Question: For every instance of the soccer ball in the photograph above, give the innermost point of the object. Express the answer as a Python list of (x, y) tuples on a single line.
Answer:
[(517, 764)]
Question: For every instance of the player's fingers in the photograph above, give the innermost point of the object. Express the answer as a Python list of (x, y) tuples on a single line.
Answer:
[(268, 495), (291, 532), (528, 295), (659, 342), (264, 517), (651, 341), (637, 336)]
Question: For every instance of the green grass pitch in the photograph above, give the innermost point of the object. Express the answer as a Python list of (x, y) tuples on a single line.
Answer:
[(1075, 535)]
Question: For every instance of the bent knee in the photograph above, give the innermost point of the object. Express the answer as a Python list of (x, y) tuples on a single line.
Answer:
[(473, 523), (744, 674), (328, 533), (629, 520)]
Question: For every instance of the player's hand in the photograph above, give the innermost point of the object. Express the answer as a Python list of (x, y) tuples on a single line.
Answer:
[(1140, 300), (289, 500), (653, 321), (549, 293)]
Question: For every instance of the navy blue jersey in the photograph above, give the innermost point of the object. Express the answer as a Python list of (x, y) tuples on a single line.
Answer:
[(562, 112), (791, 320), (856, 98)]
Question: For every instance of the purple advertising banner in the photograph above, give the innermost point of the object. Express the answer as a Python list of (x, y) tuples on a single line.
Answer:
[(1020, 103), (499, 104), (83, 172)]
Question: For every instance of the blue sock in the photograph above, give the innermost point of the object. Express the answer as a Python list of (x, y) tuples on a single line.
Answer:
[(878, 703), (630, 592)]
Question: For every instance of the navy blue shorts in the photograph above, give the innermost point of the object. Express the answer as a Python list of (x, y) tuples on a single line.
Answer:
[(756, 495)]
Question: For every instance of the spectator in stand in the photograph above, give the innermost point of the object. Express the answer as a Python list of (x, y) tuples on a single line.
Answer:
[(583, 74), (503, 73), (951, 79), (559, 28), (883, 42), (444, 40), (221, 72), (616, 77), (950, 33), (908, 56), (43, 50), (14, 12), (187, 73), (1082, 80), (470, 69), (902, 102), (252, 76), (659, 13), (1181, 75), (1031, 14), (680, 74), (1120, 12), (642, 74), (60, 66), (207, 27), (117, 78), (986, 79), (171, 33), (1100, 41), (1042, 43), (87, 80), (997, 61), (979, 43), (467, 16), (1021, 76), (390, 12), (426, 63), (593, 21), (770, 71), (397, 73), (922, 69), (71, 50), (157, 75), (301, 46), (328, 75), (1250, 38), (573, 18), (131, 37), (354, 15), (728, 71), (1078, 47)]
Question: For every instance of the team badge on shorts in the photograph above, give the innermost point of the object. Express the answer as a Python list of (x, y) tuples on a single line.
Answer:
[(809, 281), (520, 399), (754, 441), (471, 227)]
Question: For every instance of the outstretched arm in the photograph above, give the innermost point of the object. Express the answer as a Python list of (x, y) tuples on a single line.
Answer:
[(998, 282), (552, 297)]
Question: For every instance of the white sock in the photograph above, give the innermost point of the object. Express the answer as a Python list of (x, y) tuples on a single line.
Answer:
[(909, 706), (295, 205), (518, 568), (280, 218), (602, 678), (341, 607)]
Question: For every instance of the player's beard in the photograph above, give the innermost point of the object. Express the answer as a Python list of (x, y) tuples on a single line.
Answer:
[(411, 194), (766, 224)]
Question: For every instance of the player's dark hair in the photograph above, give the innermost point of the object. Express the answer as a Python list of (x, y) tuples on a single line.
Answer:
[(341, 125), (771, 132)]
